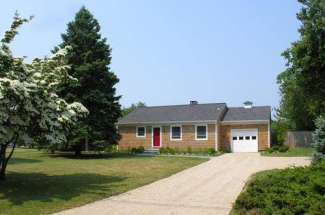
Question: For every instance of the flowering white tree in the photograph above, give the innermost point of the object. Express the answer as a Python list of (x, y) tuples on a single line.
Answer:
[(30, 109)]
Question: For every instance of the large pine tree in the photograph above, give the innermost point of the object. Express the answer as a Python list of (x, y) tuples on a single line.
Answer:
[(90, 58)]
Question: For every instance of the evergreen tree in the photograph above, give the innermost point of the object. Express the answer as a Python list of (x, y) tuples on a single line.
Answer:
[(319, 140), (90, 58), (319, 135)]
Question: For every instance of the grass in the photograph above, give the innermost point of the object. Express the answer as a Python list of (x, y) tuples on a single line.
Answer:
[(294, 152), (38, 183), (299, 190)]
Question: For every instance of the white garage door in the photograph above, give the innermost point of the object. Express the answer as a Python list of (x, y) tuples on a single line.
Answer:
[(244, 140)]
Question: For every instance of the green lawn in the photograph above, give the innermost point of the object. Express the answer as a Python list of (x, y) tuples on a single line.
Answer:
[(295, 152), (38, 183), (299, 190)]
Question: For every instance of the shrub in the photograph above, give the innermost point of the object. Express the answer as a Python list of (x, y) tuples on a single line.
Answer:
[(177, 151), (111, 148), (133, 150), (171, 150), (298, 190), (269, 150), (163, 150), (317, 158), (283, 148), (211, 151), (140, 149), (275, 147), (189, 150)]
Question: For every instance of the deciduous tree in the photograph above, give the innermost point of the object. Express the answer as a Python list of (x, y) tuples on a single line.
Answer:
[(30, 109), (127, 110), (302, 84)]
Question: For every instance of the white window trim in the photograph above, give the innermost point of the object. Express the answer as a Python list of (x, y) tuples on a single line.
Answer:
[(206, 132), (136, 131), (171, 135)]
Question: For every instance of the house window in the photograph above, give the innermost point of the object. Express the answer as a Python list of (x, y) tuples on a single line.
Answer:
[(141, 132), (201, 132), (176, 132)]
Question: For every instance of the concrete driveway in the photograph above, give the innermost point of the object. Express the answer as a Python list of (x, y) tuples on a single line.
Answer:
[(209, 188)]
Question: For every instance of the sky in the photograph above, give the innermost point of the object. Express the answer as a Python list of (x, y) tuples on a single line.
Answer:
[(170, 52)]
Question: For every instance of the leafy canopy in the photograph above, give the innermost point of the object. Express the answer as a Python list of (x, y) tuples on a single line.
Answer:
[(30, 108), (127, 110), (302, 84)]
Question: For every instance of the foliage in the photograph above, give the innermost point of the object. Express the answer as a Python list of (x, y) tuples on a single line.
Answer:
[(283, 148), (189, 150), (302, 84), (298, 190), (319, 139), (278, 131), (211, 151), (90, 57), (127, 110), (111, 149), (137, 150), (293, 152), (140, 149), (30, 109), (319, 135), (278, 148)]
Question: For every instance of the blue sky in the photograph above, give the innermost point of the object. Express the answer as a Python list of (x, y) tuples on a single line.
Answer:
[(170, 52)]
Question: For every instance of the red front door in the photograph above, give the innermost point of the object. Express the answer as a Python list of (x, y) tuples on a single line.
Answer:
[(156, 137)]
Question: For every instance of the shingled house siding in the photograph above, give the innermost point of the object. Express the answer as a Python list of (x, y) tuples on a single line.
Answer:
[(225, 132), (129, 139), (188, 138)]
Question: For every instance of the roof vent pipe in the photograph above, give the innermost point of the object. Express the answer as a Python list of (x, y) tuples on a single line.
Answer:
[(194, 102), (248, 104)]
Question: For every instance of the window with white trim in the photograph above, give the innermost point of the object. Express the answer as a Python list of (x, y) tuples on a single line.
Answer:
[(176, 132), (141, 132), (201, 132)]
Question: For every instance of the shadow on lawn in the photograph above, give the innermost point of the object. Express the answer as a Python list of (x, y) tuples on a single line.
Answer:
[(23, 161), (21, 187), (69, 155)]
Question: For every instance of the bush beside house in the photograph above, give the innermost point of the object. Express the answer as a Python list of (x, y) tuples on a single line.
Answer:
[(298, 190)]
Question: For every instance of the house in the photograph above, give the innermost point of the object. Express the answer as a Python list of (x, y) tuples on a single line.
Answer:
[(213, 125)]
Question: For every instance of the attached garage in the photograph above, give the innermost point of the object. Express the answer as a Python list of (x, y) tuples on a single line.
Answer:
[(244, 140)]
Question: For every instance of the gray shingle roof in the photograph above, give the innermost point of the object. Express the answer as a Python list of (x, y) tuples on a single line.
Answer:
[(175, 113), (254, 113)]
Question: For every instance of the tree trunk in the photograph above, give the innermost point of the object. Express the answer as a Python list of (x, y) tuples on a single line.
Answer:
[(3, 159), (86, 143), (78, 149), (3, 162), (77, 152)]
